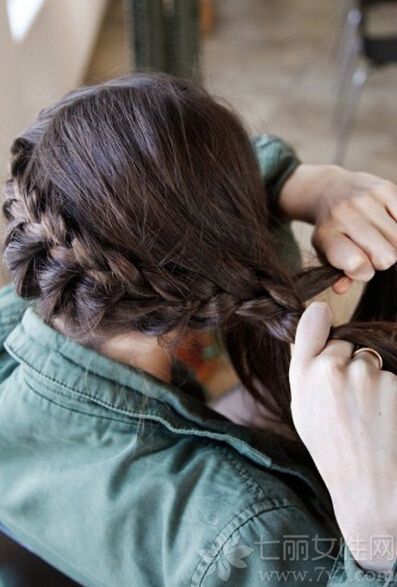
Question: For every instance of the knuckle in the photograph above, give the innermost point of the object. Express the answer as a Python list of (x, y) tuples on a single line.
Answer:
[(392, 239), (384, 261), (386, 191), (355, 262), (331, 367), (341, 210), (361, 369), (387, 187), (362, 201)]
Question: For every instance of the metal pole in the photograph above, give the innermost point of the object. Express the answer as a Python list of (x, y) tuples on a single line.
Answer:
[(164, 35)]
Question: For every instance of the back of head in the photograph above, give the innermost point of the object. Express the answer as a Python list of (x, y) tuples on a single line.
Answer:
[(134, 205), (138, 205)]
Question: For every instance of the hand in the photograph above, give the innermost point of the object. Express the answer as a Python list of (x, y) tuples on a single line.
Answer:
[(345, 411), (355, 218)]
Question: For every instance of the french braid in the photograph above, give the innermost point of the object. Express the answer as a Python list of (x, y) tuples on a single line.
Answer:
[(138, 205)]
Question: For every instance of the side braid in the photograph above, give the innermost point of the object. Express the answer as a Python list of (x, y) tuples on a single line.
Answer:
[(70, 275), (138, 205), (281, 307)]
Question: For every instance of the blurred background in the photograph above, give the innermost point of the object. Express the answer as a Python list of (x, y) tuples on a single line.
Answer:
[(320, 74)]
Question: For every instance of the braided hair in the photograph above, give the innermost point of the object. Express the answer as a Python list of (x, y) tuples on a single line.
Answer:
[(137, 205)]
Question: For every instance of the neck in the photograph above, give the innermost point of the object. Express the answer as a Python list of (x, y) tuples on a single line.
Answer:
[(141, 352), (135, 349)]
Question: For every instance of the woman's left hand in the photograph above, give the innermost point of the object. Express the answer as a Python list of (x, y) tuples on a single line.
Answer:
[(354, 216)]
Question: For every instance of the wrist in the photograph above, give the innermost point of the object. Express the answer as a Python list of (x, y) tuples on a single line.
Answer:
[(372, 540), (303, 193)]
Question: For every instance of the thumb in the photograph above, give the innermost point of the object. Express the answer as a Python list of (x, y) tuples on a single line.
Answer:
[(311, 334)]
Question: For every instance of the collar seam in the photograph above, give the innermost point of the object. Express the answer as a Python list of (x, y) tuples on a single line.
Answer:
[(73, 409), (12, 351), (84, 397), (195, 431), (78, 393), (60, 342), (122, 411), (208, 435)]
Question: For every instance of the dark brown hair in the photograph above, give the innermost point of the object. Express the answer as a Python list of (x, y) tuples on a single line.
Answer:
[(138, 205)]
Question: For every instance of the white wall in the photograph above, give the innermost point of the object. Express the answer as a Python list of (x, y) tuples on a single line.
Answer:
[(50, 60)]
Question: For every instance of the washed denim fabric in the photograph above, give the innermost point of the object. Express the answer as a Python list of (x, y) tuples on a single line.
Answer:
[(118, 479)]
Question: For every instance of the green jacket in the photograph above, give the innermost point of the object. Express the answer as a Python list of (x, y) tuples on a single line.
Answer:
[(118, 479)]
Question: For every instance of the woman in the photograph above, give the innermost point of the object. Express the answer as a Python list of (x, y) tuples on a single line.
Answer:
[(138, 211)]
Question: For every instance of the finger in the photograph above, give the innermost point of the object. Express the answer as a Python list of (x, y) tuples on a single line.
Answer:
[(343, 254), (339, 350), (381, 253), (378, 215), (311, 334), (392, 208), (387, 194), (342, 286), (368, 357)]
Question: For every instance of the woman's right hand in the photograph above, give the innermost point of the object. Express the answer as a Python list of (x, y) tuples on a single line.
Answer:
[(345, 411)]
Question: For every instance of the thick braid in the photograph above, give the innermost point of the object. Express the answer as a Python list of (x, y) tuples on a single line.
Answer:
[(78, 277), (70, 272), (281, 307), (138, 205), (45, 264), (24, 245), (73, 276)]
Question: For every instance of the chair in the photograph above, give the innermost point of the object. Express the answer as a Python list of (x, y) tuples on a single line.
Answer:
[(360, 53)]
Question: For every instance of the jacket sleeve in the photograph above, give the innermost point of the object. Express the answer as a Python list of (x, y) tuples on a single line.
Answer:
[(277, 160), (347, 571), (12, 308), (290, 547)]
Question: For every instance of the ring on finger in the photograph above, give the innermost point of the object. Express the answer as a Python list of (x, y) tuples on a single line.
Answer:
[(366, 349)]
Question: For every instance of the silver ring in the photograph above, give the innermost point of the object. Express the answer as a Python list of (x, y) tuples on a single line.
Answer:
[(369, 350)]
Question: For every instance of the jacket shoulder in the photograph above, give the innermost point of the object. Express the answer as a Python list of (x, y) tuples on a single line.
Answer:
[(12, 305), (260, 521), (215, 492), (284, 544), (12, 308)]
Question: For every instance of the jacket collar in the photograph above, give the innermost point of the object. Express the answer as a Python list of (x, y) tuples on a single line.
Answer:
[(69, 372)]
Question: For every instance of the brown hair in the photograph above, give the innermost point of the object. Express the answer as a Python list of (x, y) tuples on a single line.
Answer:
[(138, 205)]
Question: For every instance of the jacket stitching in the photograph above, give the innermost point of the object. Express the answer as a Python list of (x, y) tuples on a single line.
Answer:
[(243, 473), (77, 392), (11, 319), (71, 409), (210, 435), (202, 567), (82, 397)]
